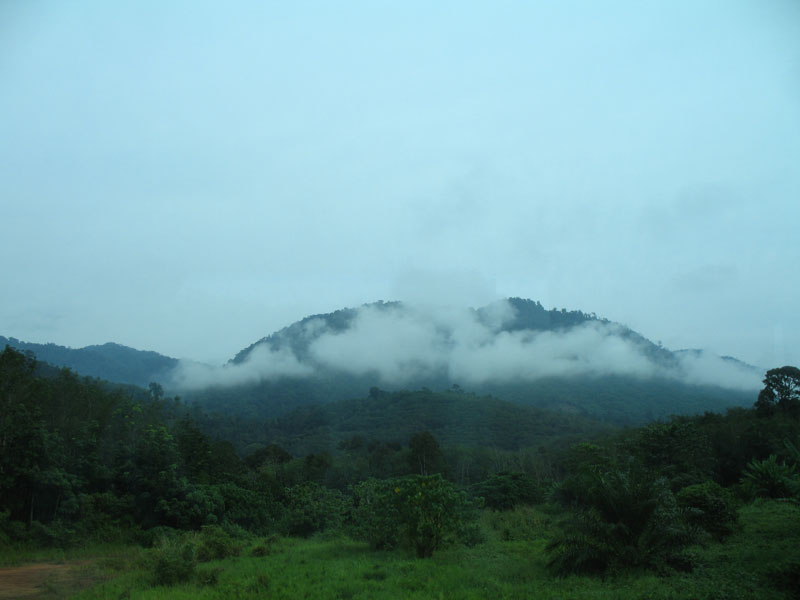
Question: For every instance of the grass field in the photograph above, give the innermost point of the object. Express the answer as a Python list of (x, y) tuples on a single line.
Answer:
[(760, 561)]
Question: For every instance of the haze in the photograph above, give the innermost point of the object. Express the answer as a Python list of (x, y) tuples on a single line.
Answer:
[(188, 177)]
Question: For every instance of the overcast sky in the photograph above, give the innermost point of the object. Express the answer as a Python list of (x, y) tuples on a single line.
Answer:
[(188, 177)]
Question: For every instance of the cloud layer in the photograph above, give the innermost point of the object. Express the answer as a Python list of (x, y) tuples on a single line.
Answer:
[(398, 344)]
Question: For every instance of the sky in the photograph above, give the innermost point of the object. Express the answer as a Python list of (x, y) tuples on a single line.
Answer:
[(188, 177)]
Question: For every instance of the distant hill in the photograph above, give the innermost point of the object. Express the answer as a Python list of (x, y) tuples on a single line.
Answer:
[(111, 362)]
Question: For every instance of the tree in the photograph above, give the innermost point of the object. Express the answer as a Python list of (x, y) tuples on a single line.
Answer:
[(425, 453), (155, 390), (781, 390)]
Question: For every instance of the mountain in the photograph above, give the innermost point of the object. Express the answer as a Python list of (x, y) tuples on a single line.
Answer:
[(514, 350), (111, 362), (524, 315)]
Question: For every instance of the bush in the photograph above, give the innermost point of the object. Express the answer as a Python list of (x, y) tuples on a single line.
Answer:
[(771, 479), (312, 508), (208, 577), (11, 530), (55, 534), (377, 519), (424, 511), (504, 491), (710, 507), (255, 511), (215, 543), (621, 518), (171, 561), (520, 524), (786, 577), (150, 538)]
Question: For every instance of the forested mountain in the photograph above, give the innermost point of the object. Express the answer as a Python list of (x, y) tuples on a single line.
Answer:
[(515, 350), (525, 315), (111, 362)]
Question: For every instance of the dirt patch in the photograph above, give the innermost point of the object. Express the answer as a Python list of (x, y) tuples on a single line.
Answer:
[(34, 581)]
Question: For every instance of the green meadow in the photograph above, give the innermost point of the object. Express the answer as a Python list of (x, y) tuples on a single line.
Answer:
[(761, 559)]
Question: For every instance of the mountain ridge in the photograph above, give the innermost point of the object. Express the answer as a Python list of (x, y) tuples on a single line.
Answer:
[(514, 349), (109, 361)]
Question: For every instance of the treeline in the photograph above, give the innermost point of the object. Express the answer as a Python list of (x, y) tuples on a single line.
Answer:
[(81, 459)]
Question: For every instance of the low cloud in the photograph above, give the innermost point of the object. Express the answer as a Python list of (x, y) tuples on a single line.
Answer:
[(704, 368), (262, 363), (400, 343), (590, 349)]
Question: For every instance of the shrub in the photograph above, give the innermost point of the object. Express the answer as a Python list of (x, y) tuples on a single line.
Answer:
[(621, 517), (215, 543), (261, 550), (11, 530), (312, 507), (520, 524), (256, 511), (424, 511), (786, 577), (56, 534), (208, 577), (377, 519), (771, 479), (708, 506), (150, 538), (171, 561), (504, 491)]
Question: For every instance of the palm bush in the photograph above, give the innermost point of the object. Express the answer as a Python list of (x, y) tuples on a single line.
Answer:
[(771, 479), (620, 517)]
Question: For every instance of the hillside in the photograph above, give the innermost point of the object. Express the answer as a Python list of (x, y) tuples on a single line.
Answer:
[(111, 362), (455, 418)]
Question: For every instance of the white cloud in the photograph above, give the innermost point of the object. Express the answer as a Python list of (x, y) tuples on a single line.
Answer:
[(704, 368), (262, 363), (400, 342)]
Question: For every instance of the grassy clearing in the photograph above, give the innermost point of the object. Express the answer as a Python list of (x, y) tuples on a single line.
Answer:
[(510, 564)]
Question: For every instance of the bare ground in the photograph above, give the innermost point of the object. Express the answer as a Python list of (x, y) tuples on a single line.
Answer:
[(38, 580)]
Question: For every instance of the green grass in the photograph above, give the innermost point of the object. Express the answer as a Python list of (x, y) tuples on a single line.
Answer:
[(503, 567)]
